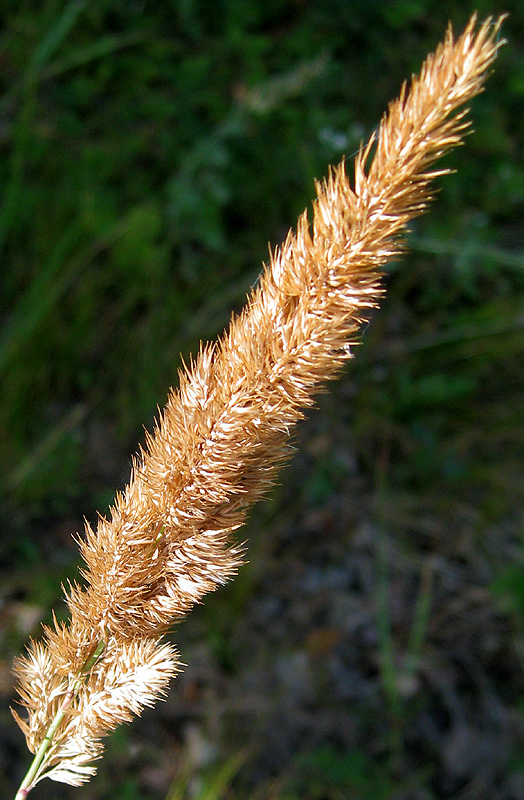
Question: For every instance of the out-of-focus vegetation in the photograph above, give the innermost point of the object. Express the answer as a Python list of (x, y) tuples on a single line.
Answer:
[(149, 151)]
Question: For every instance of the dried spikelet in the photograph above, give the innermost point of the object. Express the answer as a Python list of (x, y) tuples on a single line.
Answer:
[(131, 676), (223, 434)]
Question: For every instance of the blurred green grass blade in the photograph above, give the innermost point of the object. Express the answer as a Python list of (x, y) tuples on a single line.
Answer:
[(22, 136), (501, 318), (421, 615), (479, 250), (84, 55), (56, 35), (23, 129), (30, 464), (215, 787), (56, 277), (39, 298), (219, 783), (37, 301), (218, 307)]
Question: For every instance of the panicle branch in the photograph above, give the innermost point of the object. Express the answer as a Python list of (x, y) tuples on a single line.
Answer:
[(225, 431)]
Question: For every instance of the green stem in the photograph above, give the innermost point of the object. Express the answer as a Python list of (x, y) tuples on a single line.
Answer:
[(34, 770)]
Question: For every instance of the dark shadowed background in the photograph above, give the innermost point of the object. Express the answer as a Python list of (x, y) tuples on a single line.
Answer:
[(373, 648)]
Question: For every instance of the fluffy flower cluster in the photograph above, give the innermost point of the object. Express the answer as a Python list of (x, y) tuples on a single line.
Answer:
[(225, 431)]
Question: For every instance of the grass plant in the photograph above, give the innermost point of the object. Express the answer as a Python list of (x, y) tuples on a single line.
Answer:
[(225, 431)]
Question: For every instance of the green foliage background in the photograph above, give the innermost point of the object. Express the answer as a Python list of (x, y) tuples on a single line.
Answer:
[(149, 151)]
